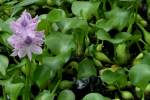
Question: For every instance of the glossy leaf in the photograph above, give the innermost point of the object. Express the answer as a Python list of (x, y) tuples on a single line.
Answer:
[(42, 74), (117, 18), (145, 58), (45, 95), (13, 90), (72, 23), (60, 43), (94, 96), (45, 26), (84, 9), (139, 75), (116, 78), (55, 63), (86, 69), (56, 15), (3, 64), (67, 95), (118, 38)]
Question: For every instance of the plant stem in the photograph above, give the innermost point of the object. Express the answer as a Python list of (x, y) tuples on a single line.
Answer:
[(28, 81), (142, 96), (55, 88), (4, 94)]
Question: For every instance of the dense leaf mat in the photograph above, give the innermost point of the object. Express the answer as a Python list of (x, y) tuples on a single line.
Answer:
[(93, 50)]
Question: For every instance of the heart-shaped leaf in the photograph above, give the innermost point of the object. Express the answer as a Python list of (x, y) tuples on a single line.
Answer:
[(94, 96), (73, 23), (120, 37), (55, 63), (60, 43), (45, 95), (66, 95), (84, 9), (117, 77), (56, 15), (139, 75), (86, 69), (13, 89), (116, 18), (42, 74), (3, 64)]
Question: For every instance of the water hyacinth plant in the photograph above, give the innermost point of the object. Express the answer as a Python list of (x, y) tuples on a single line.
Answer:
[(26, 40), (74, 49)]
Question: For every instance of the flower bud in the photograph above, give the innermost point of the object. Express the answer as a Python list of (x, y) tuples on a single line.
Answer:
[(97, 63), (146, 34), (65, 84), (121, 53), (126, 95), (102, 57), (138, 59), (99, 47), (50, 2), (147, 89)]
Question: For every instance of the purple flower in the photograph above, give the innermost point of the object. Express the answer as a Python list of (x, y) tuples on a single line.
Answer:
[(24, 23), (26, 40)]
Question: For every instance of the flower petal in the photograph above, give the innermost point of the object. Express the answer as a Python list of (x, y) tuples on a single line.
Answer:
[(15, 53), (36, 49), (21, 53), (29, 54)]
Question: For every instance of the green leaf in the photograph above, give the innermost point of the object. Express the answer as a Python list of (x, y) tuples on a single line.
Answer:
[(126, 95), (85, 9), (3, 64), (56, 15), (66, 95), (122, 53), (3, 39), (104, 24), (73, 23), (4, 25), (45, 95), (42, 16), (116, 18), (60, 43), (65, 84), (86, 69), (13, 90), (45, 26), (103, 35), (145, 33), (146, 58), (55, 63), (94, 96), (102, 57), (118, 38), (79, 38), (18, 7), (117, 78), (121, 37), (139, 75), (42, 74), (29, 2)]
